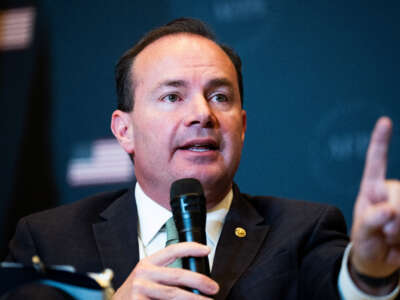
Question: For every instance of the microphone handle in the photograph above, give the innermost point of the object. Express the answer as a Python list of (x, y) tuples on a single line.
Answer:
[(195, 264)]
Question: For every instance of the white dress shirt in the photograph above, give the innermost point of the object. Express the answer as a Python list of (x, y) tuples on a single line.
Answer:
[(153, 216)]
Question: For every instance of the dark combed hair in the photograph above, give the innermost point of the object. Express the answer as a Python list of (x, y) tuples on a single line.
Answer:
[(123, 77)]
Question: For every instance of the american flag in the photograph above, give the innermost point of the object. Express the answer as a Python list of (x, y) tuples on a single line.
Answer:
[(105, 162), (16, 28)]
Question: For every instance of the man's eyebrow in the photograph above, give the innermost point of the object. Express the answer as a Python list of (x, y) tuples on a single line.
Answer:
[(217, 82), (213, 83), (171, 83)]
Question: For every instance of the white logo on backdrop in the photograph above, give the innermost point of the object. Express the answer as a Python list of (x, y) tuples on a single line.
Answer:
[(337, 151), (228, 11)]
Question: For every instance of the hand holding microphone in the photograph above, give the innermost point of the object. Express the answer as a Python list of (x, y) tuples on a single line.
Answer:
[(152, 279)]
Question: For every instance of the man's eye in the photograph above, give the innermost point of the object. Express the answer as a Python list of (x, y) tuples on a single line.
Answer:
[(219, 98), (171, 98)]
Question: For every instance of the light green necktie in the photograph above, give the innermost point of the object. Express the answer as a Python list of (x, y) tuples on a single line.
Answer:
[(172, 238)]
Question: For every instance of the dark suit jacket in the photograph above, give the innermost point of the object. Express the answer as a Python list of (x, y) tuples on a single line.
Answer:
[(292, 249)]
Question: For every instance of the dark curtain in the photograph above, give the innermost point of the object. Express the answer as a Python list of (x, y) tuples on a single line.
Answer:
[(26, 96)]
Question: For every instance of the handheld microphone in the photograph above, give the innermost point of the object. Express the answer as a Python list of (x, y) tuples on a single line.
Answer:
[(188, 206)]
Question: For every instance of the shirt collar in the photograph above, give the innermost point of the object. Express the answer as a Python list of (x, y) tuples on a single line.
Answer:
[(153, 216), (216, 218)]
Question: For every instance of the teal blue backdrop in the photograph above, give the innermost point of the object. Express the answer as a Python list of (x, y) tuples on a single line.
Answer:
[(317, 75)]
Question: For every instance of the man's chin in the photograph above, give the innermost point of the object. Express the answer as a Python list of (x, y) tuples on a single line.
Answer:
[(208, 179)]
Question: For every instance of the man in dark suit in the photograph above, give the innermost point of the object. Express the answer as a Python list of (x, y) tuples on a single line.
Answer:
[(180, 115)]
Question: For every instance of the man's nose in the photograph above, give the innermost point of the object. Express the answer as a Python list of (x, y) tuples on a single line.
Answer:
[(200, 113)]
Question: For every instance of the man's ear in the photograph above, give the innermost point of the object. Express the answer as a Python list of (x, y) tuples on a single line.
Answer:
[(244, 122), (122, 128)]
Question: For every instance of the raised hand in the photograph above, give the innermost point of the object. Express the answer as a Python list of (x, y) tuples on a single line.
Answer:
[(376, 220), (152, 279)]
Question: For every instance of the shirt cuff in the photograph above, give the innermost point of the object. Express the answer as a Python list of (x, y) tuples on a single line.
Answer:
[(348, 289)]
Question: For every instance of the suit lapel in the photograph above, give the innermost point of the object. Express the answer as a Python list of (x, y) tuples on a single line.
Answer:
[(116, 237), (234, 254), (117, 241)]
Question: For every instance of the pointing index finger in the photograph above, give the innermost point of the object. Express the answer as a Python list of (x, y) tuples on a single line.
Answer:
[(376, 161)]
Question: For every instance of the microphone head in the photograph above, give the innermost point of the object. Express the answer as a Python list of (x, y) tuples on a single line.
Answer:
[(185, 186), (187, 197)]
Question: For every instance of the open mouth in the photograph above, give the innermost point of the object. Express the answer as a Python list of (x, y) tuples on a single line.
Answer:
[(200, 146)]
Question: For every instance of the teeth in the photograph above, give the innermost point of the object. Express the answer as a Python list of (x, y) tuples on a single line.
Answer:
[(198, 149)]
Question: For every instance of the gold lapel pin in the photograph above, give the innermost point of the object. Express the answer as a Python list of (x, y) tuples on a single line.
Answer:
[(240, 232)]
